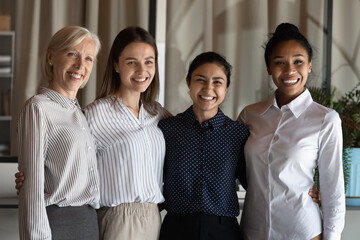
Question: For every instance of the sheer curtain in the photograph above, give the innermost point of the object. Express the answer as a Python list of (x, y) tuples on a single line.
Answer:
[(38, 20), (236, 29)]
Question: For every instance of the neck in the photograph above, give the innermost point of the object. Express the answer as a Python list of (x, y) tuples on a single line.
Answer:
[(64, 92), (132, 101)]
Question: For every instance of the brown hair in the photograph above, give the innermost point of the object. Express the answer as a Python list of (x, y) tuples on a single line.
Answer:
[(111, 80)]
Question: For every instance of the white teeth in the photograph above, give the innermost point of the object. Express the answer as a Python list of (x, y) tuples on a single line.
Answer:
[(290, 81), (207, 98), (140, 79), (74, 75)]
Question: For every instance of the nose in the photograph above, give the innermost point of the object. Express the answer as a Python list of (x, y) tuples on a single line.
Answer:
[(207, 86), (79, 63), (290, 69)]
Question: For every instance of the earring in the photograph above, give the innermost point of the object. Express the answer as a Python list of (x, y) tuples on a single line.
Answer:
[(50, 63)]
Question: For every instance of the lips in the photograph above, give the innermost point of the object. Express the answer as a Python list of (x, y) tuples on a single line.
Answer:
[(291, 81), (75, 75), (207, 97), (140, 79)]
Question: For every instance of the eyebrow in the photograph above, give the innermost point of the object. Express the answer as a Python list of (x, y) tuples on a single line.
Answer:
[(296, 55), (215, 78), (132, 58)]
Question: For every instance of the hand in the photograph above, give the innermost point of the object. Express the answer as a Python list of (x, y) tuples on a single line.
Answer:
[(19, 181), (314, 193)]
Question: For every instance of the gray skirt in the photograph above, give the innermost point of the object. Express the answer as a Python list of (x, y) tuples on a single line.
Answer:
[(78, 223)]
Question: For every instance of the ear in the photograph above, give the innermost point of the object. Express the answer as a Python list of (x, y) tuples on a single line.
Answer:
[(116, 67), (268, 70), (49, 56), (310, 66), (188, 82)]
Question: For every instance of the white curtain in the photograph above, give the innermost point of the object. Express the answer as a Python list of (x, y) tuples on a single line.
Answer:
[(236, 29), (37, 20)]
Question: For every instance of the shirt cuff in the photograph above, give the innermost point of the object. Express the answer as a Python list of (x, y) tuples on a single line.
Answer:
[(331, 236)]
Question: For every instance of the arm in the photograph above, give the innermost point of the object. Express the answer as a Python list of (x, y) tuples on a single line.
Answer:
[(33, 221), (331, 176)]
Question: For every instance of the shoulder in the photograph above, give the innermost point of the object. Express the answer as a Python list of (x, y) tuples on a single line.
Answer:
[(328, 114), (170, 121), (236, 126), (98, 103), (252, 109)]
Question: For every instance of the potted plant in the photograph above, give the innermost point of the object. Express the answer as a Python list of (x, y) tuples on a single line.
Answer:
[(348, 107)]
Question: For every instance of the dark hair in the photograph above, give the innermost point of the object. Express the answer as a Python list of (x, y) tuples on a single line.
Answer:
[(285, 32), (111, 81), (210, 57)]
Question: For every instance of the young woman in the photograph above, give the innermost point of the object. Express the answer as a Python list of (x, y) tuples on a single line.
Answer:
[(130, 147), (56, 149), (203, 151), (290, 135)]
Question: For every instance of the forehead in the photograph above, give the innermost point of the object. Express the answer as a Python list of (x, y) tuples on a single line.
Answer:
[(138, 49), (289, 48), (86, 46), (210, 70)]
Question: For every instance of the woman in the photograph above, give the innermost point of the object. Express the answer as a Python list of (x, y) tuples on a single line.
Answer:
[(203, 151), (56, 150), (290, 135), (130, 147)]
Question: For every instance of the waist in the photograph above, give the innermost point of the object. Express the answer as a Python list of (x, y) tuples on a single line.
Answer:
[(198, 217)]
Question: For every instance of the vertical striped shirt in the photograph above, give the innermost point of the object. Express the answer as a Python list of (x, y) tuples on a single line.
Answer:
[(57, 156), (130, 152)]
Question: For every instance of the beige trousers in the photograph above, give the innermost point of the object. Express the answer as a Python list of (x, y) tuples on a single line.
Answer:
[(130, 221)]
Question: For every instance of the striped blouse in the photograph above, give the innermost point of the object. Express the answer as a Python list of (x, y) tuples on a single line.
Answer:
[(57, 156), (130, 152)]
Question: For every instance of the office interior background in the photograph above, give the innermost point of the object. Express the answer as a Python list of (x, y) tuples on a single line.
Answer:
[(237, 29)]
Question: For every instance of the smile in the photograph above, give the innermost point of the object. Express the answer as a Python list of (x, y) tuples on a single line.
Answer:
[(206, 98), (291, 81), (74, 75), (140, 79)]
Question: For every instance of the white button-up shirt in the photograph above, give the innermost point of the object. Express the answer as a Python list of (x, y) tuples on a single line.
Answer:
[(285, 146)]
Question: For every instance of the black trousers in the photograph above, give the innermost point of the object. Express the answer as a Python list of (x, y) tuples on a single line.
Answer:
[(199, 226), (73, 223)]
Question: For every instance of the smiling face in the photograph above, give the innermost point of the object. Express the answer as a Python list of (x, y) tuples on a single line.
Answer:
[(207, 90), (136, 67), (71, 67), (289, 67)]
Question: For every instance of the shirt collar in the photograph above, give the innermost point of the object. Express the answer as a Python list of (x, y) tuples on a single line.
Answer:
[(215, 122), (60, 99), (296, 106)]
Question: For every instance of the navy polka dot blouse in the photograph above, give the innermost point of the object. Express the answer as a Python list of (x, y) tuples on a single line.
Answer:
[(202, 162)]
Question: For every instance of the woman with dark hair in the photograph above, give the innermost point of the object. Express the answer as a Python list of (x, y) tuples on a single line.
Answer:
[(204, 149), (130, 147), (291, 135)]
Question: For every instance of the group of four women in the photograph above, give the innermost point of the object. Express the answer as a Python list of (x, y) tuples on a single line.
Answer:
[(128, 148)]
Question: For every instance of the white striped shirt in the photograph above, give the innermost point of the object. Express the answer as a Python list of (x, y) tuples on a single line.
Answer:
[(57, 156), (130, 152)]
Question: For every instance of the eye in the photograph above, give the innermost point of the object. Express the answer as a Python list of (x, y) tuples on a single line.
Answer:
[(131, 63), (279, 63), (218, 82), (298, 61), (199, 79), (149, 62), (89, 59), (71, 54)]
